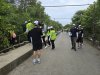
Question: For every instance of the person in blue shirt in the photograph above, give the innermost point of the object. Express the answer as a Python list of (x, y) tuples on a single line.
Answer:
[(73, 35)]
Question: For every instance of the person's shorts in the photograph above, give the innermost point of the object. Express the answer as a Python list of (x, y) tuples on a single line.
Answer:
[(37, 45), (79, 40)]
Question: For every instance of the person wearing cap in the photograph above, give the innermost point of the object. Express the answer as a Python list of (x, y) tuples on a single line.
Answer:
[(36, 22), (29, 27), (80, 37), (53, 37), (36, 34), (73, 35)]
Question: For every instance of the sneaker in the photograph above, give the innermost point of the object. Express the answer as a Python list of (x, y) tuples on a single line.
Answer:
[(38, 61), (81, 45), (34, 61), (49, 45), (72, 48), (46, 46)]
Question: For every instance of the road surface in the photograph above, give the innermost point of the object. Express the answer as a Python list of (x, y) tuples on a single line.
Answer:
[(63, 60)]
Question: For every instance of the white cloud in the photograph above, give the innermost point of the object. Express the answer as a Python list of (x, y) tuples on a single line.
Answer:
[(64, 12)]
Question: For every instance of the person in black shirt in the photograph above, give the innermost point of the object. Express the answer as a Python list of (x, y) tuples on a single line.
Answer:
[(73, 35), (36, 34), (24, 26), (80, 37)]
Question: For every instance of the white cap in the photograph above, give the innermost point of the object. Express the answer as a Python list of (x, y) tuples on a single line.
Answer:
[(36, 22), (25, 21), (48, 27), (73, 24), (51, 26), (79, 25)]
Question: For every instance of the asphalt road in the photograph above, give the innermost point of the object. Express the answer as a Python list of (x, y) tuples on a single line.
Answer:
[(63, 60)]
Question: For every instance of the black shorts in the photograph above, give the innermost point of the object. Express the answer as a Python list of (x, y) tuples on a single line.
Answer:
[(37, 45), (79, 40)]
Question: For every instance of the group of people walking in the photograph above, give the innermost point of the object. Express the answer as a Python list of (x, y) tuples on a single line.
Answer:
[(76, 35), (36, 36)]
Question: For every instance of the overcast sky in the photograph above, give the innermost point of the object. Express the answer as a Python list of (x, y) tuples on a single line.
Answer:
[(59, 13)]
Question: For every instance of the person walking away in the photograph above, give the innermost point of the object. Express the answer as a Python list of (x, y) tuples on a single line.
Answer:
[(73, 35), (43, 38), (36, 34), (48, 36), (80, 37), (53, 37), (29, 27)]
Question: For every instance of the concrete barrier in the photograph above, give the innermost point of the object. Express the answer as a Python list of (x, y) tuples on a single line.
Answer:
[(13, 58)]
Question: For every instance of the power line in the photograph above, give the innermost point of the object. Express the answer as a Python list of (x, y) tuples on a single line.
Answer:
[(62, 18), (68, 5)]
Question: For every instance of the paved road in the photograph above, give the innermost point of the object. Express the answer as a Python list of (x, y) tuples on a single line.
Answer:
[(63, 61)]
